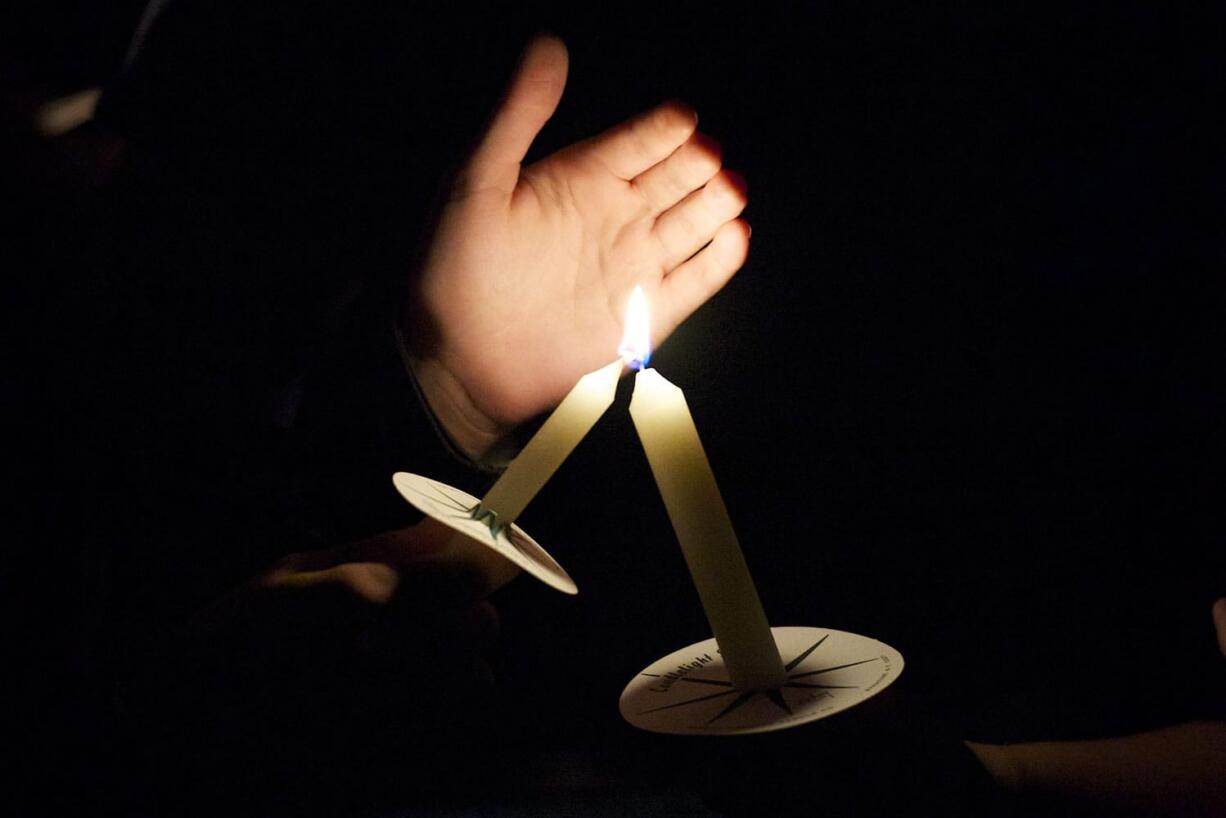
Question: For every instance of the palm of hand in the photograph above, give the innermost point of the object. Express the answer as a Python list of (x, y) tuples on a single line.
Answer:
[(527, 279)]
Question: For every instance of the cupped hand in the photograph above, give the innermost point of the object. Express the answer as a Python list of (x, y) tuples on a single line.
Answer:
[(525, 283), (360, 668), (396, 598)]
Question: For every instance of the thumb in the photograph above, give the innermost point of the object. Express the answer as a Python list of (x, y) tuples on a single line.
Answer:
[(530, 99), (398, 548)]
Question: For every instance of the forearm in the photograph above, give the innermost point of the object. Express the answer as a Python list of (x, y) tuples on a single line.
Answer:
[(1179, 770)]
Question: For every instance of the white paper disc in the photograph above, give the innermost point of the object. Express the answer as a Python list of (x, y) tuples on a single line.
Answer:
[(688, 692), (454, 508)]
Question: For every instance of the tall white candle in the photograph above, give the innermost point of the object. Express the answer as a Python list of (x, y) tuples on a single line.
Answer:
[(552, 443), (700, 520)]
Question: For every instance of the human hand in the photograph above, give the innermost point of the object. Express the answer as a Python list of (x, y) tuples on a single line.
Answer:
[(334, 672), (525, 283), (347, 588), (1175, 770), (392, 612)]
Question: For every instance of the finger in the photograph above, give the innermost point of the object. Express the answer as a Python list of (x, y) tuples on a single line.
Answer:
[(689, 286), (684, 229), (530, 99), (688, 168), (403, 546), (371, 581), (632, 147)]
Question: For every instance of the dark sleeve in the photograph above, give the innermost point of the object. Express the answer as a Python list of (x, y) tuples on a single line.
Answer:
[(361, 418)]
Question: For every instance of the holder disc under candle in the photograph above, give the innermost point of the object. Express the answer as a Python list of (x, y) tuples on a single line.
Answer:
[(688, 692), (486, 542)]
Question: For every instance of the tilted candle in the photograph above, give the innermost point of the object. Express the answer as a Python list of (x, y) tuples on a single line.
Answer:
[(552, 443), (699, 517), (703, 528)]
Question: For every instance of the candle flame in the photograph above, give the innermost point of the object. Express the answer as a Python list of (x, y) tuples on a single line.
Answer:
[(635, 347)]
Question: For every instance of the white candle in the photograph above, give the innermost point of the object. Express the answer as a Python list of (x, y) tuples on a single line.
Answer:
[(552, 443), (703, 528), (700, 519)]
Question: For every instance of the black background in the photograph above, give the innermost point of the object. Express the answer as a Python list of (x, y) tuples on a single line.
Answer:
[(966, 394)]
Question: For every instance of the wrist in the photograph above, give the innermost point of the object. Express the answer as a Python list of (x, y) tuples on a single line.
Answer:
[(469, 430)]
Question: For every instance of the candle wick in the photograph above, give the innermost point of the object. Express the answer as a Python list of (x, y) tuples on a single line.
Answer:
[(636, 362)]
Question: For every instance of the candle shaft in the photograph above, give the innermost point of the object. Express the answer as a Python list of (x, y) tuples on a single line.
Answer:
[(553, 443), (704, 530)]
